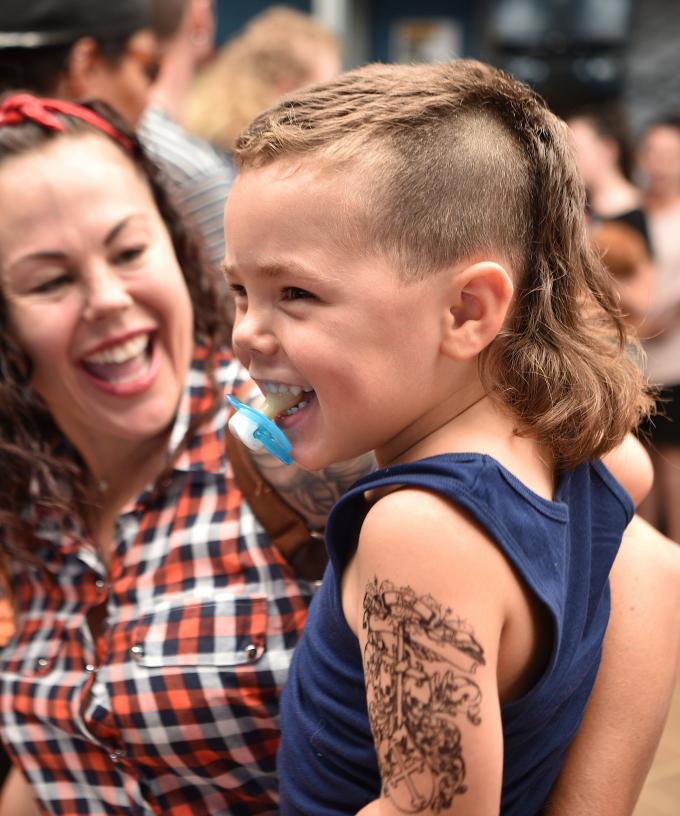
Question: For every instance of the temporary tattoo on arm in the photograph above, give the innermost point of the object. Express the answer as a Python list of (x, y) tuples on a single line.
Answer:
[(419, 661), (313, 493)]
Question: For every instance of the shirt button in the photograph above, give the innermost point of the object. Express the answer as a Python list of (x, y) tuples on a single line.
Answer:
[(251, 651), (114, 757), (137, 650), (89, 668), (99, 583), (42, 663)]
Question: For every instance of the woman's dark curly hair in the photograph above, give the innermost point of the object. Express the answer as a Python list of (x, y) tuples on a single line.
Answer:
[(31, 445)]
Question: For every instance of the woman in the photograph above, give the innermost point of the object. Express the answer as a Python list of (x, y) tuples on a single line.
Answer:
[(619, 227), (154, 618)]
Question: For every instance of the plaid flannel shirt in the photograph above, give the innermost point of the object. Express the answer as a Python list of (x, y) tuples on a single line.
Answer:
[(173, 709)]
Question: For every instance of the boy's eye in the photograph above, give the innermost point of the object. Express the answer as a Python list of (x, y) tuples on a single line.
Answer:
[(295, 293), (237, 290)]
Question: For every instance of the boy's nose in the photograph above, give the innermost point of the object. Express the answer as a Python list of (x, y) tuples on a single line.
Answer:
[(252, 335)]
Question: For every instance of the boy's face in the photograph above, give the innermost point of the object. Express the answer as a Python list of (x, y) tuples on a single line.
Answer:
[(314, 310)]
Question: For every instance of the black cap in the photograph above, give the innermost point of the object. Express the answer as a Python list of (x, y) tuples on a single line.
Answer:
[(40, 23)]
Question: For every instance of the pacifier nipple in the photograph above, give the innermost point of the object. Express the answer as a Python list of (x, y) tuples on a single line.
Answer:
[(257, 432)]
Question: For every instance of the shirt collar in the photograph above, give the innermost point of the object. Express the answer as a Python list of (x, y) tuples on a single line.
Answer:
[(205, 451)]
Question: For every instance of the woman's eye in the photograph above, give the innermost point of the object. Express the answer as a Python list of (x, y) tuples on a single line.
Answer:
[(50, 285), (295, 293), (129, 254)]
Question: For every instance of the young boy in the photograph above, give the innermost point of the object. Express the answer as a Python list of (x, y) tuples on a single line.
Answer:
[(412, 276)]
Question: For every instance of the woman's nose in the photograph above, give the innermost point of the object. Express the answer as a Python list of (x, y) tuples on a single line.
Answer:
[(107, 293), (253, 335)]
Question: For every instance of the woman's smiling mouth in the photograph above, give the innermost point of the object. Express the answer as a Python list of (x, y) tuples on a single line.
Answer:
[(125, 368)]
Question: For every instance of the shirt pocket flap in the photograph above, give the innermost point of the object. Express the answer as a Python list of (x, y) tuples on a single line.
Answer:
[(228, 631)]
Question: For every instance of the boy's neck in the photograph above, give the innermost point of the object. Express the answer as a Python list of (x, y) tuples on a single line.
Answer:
[(479, 424)]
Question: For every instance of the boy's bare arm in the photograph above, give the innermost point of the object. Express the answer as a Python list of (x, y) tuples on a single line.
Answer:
[(428, 614), (608, 761)]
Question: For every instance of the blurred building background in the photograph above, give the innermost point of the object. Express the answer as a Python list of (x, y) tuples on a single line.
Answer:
[(572, 51)]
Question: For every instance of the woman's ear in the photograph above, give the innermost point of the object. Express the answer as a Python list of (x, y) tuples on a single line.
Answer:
[(479, 299)]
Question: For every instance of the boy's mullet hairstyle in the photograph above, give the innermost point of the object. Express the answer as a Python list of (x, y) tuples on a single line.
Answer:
[(459, 161)]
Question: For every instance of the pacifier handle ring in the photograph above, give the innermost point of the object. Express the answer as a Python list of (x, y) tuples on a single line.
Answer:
[(271, 437)]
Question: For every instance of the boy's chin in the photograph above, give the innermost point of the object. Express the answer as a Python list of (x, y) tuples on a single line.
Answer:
[(311, 462), (313, 458)]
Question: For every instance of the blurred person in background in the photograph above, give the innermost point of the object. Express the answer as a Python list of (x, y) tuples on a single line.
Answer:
[(626, 256), (186, 29), (659, 166), (199, 177), (279, 50), (604, 154), (81, 49)]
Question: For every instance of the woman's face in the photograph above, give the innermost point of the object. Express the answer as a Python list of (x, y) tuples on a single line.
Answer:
[(94, 292), (659, 160), (595, 155)]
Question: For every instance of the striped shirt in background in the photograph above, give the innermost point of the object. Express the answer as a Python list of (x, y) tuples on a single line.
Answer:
[(198, 177)]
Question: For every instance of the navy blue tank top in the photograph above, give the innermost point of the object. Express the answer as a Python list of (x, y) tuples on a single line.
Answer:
[(562, 549)]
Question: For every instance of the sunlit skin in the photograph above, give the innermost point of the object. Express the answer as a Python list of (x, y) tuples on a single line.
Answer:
[(314, 310), (87, 264)]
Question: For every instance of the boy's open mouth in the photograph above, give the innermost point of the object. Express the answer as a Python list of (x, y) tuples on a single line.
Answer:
[(285, 400)]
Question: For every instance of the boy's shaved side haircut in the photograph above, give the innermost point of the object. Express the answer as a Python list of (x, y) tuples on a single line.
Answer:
[(457, 161)]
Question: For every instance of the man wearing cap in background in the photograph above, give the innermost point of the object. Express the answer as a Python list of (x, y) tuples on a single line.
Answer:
[(79, 49), (83, 49)]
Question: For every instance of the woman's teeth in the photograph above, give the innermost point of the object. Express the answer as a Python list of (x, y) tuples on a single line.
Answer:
[(120, 353)]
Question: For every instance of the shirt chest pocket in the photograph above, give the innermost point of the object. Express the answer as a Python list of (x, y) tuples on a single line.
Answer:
[(224, 632)]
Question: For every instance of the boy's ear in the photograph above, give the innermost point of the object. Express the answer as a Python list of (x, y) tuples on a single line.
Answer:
[(479, 298)]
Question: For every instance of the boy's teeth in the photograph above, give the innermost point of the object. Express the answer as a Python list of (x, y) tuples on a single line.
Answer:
[(282, 398), (276, 404), (122, 352)]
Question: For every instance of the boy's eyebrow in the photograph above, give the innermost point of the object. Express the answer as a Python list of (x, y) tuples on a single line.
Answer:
[(227, 269), (272, 270)]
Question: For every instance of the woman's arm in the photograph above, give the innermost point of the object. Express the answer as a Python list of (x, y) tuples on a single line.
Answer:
[(17, 796), (611, 755), (312, 493)]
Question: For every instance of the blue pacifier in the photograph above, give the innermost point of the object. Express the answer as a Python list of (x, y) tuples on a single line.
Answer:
[(258, 432)]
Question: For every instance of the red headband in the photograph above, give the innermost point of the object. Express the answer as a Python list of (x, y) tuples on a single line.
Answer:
[(23, 108)]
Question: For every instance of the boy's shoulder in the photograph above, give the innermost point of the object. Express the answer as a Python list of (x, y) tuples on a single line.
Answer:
[(425, 529)]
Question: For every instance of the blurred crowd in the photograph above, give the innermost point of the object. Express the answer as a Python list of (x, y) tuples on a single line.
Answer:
[(633, 187)]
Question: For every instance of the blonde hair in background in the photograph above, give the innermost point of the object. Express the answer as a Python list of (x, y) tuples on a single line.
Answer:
[(451, 161), (280, 50)]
